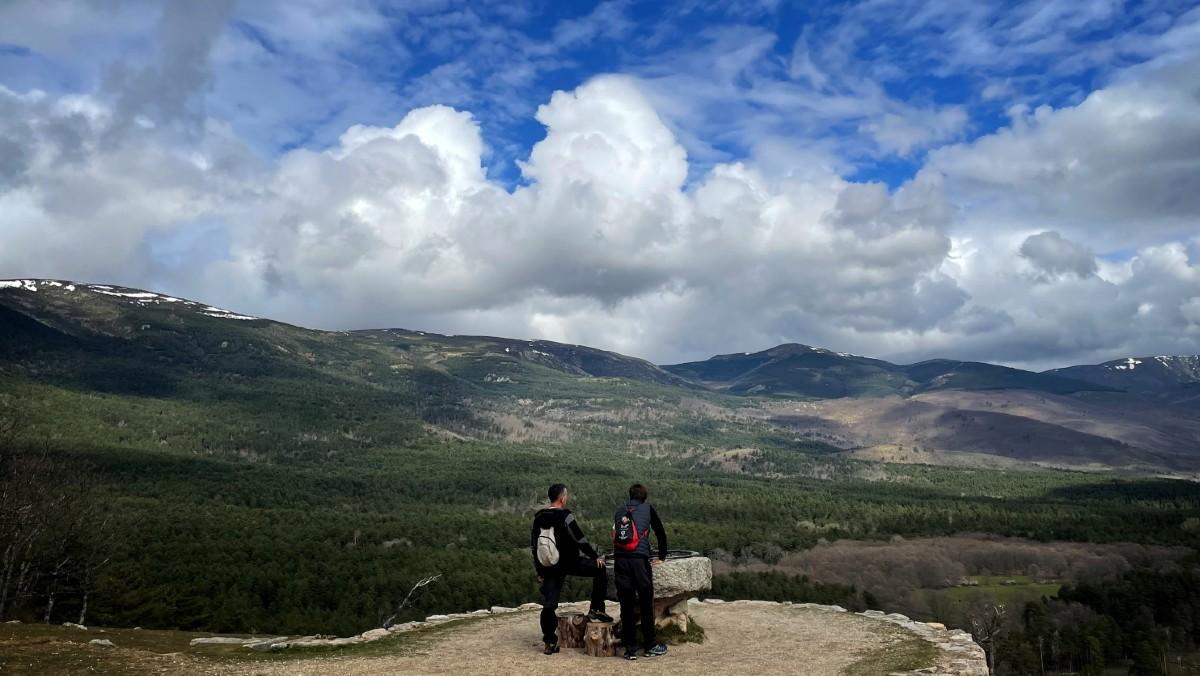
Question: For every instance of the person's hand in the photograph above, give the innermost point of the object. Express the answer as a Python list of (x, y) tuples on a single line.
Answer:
[(655, 563), (541, 579), (599, 561)]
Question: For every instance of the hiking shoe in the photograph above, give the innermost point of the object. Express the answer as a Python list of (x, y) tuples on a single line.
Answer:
[(631, 655), (656, 651), (599, 616), (551, 648)]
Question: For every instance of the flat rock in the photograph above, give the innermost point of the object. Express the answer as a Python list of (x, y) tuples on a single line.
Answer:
[(677, 577), (674, 577), (221, 640), (265, 644), (498, 610), (529, 606), (74, 626), (438, 618), (320, 642), (102, 642), (373, 634)]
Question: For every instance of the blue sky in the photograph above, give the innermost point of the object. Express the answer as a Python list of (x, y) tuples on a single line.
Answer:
[(1026, 150), (779, 67)]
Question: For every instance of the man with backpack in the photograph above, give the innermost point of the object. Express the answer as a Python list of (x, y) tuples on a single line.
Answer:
[(633, 568), (560, 549)]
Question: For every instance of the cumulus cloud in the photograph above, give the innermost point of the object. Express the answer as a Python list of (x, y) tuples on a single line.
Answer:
[(1121, 167), (614, 235), (1053, 254), (402, 220)]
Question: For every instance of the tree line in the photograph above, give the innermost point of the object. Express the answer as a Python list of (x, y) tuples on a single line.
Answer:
[(57, 533)]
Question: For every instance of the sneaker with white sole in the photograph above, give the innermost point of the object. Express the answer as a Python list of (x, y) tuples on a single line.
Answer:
[(657, 651)]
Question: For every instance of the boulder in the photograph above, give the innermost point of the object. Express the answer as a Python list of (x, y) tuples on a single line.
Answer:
[(438, 618), (671, 611), (74, 626), (685, 577), (403, 627), (102, 642), (499, 610), (529, 606), (373, 634)]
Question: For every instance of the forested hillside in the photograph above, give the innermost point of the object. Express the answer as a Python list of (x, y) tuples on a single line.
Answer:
[(171, 464)]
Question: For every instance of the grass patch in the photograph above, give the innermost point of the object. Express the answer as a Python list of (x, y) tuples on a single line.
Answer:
[(672, 635), (908, 653), (40, 649), (1006, 589)]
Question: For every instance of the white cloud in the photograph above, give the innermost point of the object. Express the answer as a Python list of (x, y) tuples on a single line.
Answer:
[(616, 236), (1053, 254), (1120, 168)]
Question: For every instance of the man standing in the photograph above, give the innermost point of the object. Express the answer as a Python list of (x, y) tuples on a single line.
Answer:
[(560, 549), (633, 568)]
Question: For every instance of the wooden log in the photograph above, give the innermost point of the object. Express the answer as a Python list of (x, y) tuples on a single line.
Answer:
[(570, 630), (600, 639)]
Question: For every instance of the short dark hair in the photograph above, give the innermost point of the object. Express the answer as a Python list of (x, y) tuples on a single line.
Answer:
[(556, 491), (638, 492)]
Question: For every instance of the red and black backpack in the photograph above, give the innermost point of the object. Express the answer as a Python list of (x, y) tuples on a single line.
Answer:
[(625, 535)]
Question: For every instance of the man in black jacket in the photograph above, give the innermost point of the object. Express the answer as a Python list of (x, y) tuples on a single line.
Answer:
[(576, 556), (633, 568)]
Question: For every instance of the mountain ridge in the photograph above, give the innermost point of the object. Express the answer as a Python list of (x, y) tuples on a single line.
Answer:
[(738, 373), (742, 411)]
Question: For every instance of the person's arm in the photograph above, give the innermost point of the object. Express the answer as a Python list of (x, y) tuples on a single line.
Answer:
[(660, 534), (580, 539), (533, 542)]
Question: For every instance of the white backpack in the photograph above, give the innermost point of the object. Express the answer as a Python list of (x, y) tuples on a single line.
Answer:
[(547, 548)]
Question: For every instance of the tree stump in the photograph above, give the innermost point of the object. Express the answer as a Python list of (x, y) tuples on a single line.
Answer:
[(600, 639), (570, 629)]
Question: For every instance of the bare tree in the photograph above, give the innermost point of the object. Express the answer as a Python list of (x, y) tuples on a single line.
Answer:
[(410, 597), (55, 531), (987, 620)]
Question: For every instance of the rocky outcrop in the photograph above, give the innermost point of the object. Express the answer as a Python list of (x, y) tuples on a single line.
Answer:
[(957, 652), (220, 640), (284, 642)]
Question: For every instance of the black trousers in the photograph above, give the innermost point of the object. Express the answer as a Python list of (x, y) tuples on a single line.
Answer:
[(552, 584), (635, 591)]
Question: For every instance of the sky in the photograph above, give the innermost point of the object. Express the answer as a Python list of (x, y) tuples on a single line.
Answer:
[(1008, 182)]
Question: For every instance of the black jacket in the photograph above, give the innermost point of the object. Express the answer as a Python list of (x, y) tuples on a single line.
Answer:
[(646, 520), (571, 541)]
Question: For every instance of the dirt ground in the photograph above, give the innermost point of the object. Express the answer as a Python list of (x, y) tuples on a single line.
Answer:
[(743, 638)]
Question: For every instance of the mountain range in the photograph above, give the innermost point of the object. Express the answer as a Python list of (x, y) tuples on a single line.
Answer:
[(1134, 413)]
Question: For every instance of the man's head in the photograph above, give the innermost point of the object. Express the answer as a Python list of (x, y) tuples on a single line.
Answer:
[(557, 494), (638, 492)]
